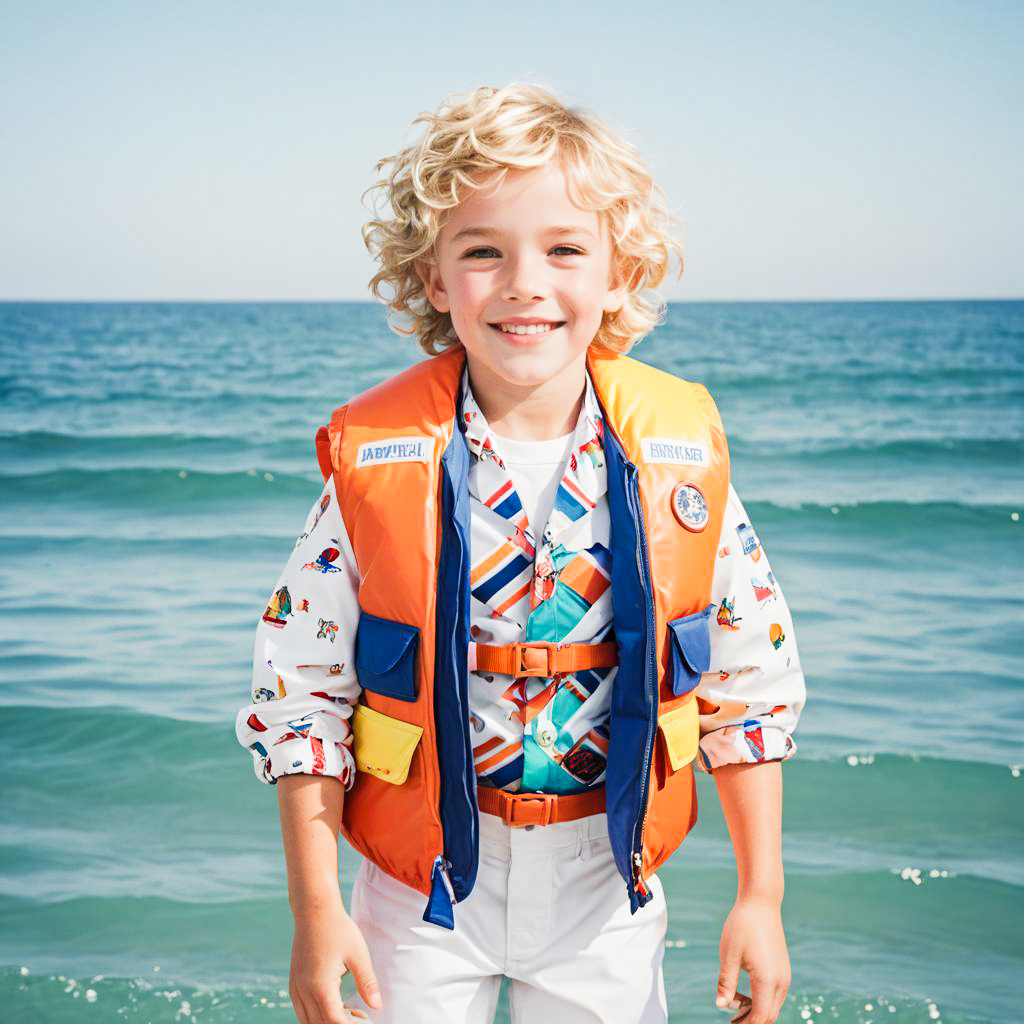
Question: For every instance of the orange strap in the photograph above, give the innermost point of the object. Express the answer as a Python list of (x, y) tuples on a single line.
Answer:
[(518, 809), (540, 658)]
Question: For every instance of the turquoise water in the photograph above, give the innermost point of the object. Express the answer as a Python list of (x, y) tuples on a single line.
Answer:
[(157, 464)]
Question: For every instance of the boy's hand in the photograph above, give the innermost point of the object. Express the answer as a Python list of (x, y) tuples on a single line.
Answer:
[(327, 943), (753, 939)]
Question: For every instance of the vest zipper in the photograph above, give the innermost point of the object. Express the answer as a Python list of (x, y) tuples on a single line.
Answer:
[(442, 895), (442, 866), (650, 673), (455, 654)]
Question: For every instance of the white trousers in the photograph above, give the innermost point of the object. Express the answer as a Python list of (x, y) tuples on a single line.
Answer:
[(549, 911)]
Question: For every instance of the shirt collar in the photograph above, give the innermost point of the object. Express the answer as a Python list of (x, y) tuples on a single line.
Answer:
[(479, 436)]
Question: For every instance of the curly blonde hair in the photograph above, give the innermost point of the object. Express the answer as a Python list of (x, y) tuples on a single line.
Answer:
[(469, 138)]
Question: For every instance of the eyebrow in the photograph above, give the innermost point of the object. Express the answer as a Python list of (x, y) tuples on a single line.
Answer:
[(489, 232)]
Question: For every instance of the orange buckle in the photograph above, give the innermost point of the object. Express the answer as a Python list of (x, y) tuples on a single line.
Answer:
[(535, 659), (534, 809)]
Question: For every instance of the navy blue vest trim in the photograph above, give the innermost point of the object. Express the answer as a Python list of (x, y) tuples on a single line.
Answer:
[(460, 821), (634, 705)]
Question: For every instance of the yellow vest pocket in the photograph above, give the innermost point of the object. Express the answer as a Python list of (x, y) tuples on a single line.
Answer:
[(680, 729), (383, 745)]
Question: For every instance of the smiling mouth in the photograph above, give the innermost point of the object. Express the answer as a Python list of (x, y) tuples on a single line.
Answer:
[(542, 328)]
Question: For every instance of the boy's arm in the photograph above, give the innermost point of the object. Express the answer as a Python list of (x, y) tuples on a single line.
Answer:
[(751, 799), (310, 808), (298, 730), (752, 937), (327, 941), (754, 694)]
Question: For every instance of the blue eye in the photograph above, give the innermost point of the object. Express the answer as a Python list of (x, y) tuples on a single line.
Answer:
[(567, 250), (482, 253)]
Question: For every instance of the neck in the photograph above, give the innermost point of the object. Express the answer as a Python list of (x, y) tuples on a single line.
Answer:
[(530, 412)]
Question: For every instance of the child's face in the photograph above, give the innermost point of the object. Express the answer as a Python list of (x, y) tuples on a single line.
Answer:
[(525, 253)]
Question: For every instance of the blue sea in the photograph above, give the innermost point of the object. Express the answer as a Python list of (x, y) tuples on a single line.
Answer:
[(157, 464)]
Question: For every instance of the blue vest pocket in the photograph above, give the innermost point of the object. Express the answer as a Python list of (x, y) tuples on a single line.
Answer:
[(386, 656), (691, 650)]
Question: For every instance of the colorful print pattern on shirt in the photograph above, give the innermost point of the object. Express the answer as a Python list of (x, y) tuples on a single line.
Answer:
[(544, 734), (302, 695), (755, 690)]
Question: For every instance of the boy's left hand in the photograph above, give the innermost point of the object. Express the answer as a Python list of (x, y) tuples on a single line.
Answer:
[(753, 939)]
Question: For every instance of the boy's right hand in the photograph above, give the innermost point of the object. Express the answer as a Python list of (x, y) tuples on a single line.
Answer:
[(326, 944)]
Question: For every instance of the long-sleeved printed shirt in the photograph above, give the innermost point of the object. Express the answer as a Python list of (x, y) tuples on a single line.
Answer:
[(528, 734)]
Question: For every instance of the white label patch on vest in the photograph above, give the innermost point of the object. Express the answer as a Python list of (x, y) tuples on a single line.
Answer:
[(395, 449), (674, 451)]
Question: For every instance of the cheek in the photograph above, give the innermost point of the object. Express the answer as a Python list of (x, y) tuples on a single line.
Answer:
[(469, 294), (587, 296)]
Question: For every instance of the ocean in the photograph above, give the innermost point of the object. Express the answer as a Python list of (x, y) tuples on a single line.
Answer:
[(157, 465)]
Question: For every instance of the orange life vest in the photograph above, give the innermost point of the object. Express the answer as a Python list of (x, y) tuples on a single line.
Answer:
[(401, 466)]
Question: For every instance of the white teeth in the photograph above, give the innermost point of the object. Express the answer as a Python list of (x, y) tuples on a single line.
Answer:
[(526, 328)]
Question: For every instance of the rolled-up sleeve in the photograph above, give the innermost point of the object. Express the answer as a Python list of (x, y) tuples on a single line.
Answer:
[(304, 685), (754, 692)]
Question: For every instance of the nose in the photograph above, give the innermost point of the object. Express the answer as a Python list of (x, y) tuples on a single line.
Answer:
[(523, 280)]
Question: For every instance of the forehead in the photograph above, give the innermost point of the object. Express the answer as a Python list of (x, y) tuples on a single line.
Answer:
[(527, 200)]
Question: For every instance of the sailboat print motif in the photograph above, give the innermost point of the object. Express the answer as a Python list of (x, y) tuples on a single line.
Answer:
[(540, 735)]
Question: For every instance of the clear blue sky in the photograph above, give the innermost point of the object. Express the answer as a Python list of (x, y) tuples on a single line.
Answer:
[(219, 149)]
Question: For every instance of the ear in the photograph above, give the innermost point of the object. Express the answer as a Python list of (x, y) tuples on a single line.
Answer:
[(433, 285), (618, 288)]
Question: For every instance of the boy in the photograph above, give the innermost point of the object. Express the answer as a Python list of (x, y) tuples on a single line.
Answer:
[(527, 666)]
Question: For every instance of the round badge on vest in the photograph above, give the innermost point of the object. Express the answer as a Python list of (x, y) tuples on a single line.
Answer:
[(690, 506)]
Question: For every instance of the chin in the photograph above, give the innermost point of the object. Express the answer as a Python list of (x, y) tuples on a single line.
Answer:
[(528, 367), (529, 371), (523, 380)]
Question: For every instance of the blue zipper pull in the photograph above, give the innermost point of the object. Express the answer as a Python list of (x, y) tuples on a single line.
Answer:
[(442, 897)]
